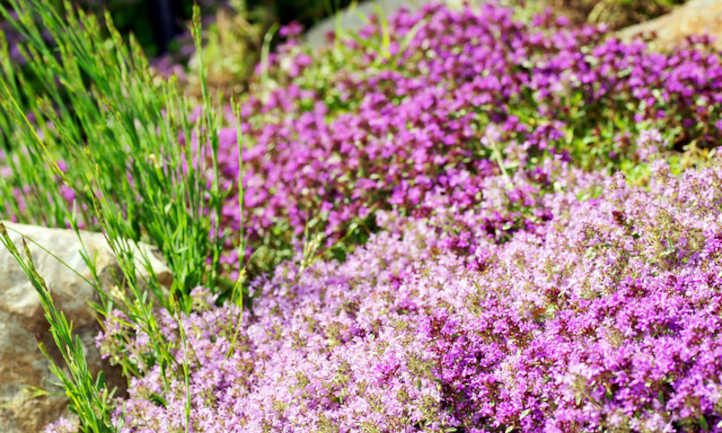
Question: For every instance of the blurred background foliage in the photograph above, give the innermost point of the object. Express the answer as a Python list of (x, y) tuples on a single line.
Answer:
[(234, 29)]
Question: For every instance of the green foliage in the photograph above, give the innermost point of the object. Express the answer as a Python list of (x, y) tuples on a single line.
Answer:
[(232, 46), (121, 134), (97, 122), (133, 17)]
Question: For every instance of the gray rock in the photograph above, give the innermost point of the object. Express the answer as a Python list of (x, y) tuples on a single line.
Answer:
[(696, 17), (30, 396), (354, 18)]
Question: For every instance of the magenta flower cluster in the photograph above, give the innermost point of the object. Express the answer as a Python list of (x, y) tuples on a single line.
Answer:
[(608, 318), (429, 103)]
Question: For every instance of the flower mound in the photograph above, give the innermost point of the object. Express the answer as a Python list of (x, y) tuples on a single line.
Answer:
[(608, 318), (428, 104)]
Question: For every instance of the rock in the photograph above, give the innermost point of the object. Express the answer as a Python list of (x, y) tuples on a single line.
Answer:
[(30, 396), (696, 17), (354, 18)]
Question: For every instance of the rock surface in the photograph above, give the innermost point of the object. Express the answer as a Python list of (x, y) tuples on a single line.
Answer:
[(354, 18), (696, 17), (30, 396)]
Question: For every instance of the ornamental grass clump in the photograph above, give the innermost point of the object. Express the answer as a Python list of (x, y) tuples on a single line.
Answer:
[(607, 318), (91, 139)]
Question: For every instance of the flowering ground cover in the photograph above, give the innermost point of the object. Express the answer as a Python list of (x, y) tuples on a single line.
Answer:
[(452, 220), (408, 110), (606, 319)]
